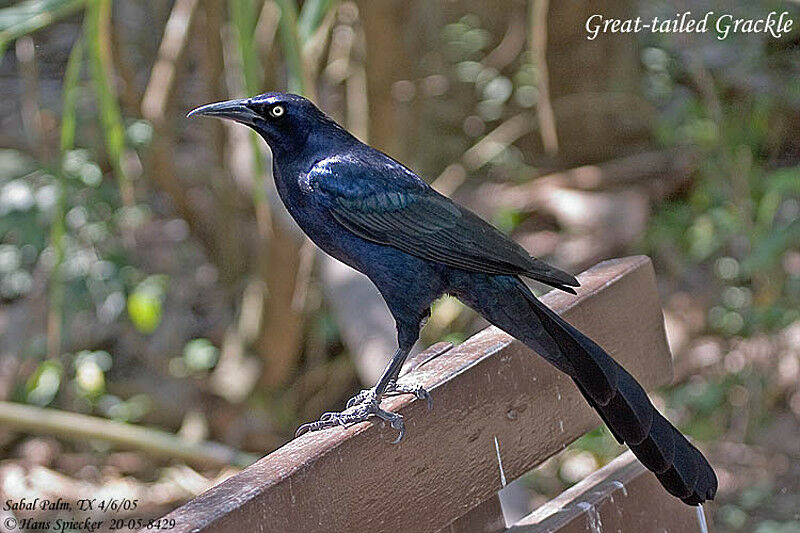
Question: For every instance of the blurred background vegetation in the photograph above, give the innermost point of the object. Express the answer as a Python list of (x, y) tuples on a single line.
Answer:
[(148, 277)]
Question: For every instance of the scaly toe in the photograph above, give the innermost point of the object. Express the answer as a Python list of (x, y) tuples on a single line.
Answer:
[(417, 390), (353, 415), (362, 397)]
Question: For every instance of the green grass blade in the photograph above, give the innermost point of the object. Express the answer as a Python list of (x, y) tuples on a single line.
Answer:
[(311, 15), (27, 17), (292, 49), (58, 227), (98, 42), (243, 18), (70, 97)]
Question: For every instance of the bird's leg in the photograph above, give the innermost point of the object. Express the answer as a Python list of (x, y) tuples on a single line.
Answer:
[(367, 402), (388, 386)]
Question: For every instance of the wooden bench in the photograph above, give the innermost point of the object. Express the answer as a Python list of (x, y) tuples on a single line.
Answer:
[(499, 411)]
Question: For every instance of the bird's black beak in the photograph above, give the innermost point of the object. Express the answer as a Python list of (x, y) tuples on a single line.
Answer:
[(237, 110)]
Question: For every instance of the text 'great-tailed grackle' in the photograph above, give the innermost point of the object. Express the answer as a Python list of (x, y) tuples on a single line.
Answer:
[(377, 216)]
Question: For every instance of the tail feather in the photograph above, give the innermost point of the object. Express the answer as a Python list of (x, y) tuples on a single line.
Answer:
[(625, 408), (598, 380)]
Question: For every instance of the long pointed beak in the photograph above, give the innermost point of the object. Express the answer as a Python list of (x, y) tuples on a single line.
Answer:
[(237, 110)]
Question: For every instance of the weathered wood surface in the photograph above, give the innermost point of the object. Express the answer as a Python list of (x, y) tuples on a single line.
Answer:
[(622, 496), (487, 517), (494, 400)]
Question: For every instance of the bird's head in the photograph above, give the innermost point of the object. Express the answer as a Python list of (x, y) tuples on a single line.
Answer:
[(284, 120)]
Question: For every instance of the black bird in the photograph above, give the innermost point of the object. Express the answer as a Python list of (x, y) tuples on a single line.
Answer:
[(375, 215)]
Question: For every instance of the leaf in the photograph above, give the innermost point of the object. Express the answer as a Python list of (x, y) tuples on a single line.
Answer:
[(200, 355), (27, 17), (311, 16), (292, 49), (58, 227), (96, 27), (145, 304), (243, 20), (43, 385)]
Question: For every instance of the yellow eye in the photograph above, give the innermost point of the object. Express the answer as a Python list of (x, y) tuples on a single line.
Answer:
[(277, 111)]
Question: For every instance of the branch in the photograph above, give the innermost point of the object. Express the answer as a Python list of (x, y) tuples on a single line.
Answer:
[(547, 121), (163, 75), (76, 426), (492, 144)]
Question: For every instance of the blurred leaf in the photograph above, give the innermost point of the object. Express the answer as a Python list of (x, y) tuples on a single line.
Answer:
[(130, 410), (145, 304), (753, 497), (43, 385), (27, 17), (140, 133), (58, 226), (769, 250), (243, 19), (733, 516), (70, 95), (701, 396), (96, 26), (145, 311), (311, 15), (200, 355), (90, 368), (506, 219), (778, 184), (292, 49), (14, 164)]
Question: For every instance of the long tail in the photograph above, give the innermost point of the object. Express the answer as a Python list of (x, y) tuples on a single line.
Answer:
[(625, 408)]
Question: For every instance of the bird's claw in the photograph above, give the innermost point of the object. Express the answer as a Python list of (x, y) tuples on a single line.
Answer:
[(353, 415), (366, 404), (417, 390), (394, 388)]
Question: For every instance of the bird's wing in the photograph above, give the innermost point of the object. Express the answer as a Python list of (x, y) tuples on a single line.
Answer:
[(388, 204)]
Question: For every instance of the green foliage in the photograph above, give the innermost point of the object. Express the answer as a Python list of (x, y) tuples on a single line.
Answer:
[(507, 219), (130, 410), (145, 304), (43, 385), (600, 442), (292, 49), (479, 96), (96, 27), (90, 369), (311, 16), (200, 355), (740, 220), (243, 20), (774, 526), (27, 17), (22, 191)]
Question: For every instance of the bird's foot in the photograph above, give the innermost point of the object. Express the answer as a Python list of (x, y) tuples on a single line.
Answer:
[(365, 396), (394, 388), (353, 415)]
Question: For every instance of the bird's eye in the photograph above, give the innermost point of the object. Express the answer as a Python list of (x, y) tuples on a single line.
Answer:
[(277, 111)]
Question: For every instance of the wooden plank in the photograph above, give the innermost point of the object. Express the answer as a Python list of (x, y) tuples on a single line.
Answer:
[(493, 401), (622, 496), (485, 518)]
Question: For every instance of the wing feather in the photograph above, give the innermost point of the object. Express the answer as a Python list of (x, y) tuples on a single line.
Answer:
[(396, 208)]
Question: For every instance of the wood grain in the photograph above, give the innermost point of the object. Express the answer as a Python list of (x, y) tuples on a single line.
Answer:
[(490, 389), (622, 496)]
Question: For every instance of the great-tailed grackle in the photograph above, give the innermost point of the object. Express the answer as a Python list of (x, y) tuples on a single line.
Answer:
[(377, 216)]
